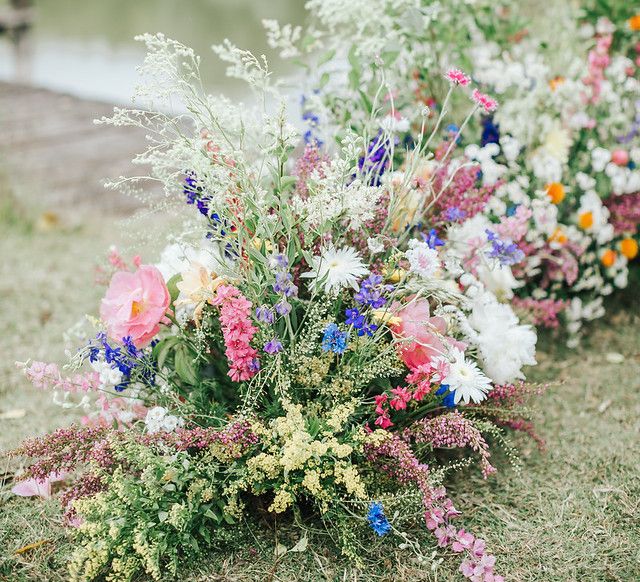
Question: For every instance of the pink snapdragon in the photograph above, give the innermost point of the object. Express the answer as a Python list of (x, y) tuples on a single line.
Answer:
[(489, 104), (457, 77), (238, 331), (135, 305)]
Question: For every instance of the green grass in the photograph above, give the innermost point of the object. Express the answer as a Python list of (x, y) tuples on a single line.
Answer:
[(570, 514)]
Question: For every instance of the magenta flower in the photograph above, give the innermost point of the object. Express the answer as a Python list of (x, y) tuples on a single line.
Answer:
[(487, 103), (457, 77)]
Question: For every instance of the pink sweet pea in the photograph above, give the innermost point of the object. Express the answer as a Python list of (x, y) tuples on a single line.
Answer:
[(37, 487), (135, 304)]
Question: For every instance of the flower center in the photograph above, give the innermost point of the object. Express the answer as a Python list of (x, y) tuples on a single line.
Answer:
[(136, 308)]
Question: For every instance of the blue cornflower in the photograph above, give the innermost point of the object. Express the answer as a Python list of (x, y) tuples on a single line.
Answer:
[(273, 346), (449, 399), (453, 214), (506, 252), (377, 519), (334, 340), (432, 240), (490, 131)]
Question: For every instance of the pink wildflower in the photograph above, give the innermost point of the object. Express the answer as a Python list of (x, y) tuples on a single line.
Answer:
[(487, 103), (135, 304), (402, 396), (48, 377), (238, 331), (457, 77)]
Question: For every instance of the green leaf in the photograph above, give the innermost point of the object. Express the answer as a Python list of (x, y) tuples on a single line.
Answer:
[(172, 286), (162, 515), (301, 546), (287, 181), (326, 57), (186, 368), (324, 79)]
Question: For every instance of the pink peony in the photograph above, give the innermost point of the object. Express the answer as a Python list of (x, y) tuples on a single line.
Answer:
[(135, 305), (422, 337), (620, 157)]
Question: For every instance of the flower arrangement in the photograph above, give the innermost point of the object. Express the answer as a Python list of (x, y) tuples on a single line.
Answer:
[(559, 156), (307, 346)]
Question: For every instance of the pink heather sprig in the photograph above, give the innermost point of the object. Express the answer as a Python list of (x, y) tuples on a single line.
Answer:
[(234, 439), (395, 458), (541, 312), (625, 212), (85, 486), (312, 160), (457, 77), (47, 376), (237, 331), (489, 104), (449, 431)]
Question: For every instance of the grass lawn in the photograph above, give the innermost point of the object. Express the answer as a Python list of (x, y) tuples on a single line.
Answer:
[(571, 514)]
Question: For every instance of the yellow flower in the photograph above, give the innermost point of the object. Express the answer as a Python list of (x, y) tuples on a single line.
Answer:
[(395, 276), (608, 258), (556, 82), (585, 220), (385, 316), (198, 286), (555, 191)]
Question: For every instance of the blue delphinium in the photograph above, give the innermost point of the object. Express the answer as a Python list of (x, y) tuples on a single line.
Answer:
[(334, 340), (431, 238), (377, 519), (454, 214), (449, 399), (359, 322), (506, 252), (377, 159), (273, 346)]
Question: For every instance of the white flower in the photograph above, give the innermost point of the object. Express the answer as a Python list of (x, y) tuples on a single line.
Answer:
[(600, 157), (505, 345), (109, 377), (375, 245), (424, 260), (499, 280), (158, 420), (337, 268), (465, 378)]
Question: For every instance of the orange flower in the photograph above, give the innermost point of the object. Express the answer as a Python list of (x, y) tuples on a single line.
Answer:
[(555, 191), (558, 236), (629, 248), (608, 258), (634, 22), (555, 82), (585, 220)]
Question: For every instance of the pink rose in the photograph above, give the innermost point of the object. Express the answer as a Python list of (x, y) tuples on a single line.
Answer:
[(135, 305), (422, 337)]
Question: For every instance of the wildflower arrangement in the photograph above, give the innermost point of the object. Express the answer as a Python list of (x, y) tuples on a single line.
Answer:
[(309, 346), (553, 170)]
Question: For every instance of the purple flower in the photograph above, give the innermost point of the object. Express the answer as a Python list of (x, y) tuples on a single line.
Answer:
[(453, 214), (506, 252), (431, 238), (273, 346), (264, 314), (282, 307), (371, 290)]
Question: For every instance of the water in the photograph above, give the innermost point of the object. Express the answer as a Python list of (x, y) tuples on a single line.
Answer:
[(86, 48)]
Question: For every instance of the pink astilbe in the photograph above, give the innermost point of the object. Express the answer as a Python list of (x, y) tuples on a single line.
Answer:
[(238, 331), (395, 458), (625, 212), (541, 312), (489, 104), (48, 377), (449, 431)]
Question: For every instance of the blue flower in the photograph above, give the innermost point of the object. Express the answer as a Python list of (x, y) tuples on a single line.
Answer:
[(449, 399), (359, 323), (264, 314), (453, 214), (490, 131), (377, 519), (371, 290), (377, 159), (334, 340), (506, 252), (431, 238)]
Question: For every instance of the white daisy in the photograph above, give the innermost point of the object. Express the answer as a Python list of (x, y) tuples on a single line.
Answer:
[(337, 268), (465, 378)]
